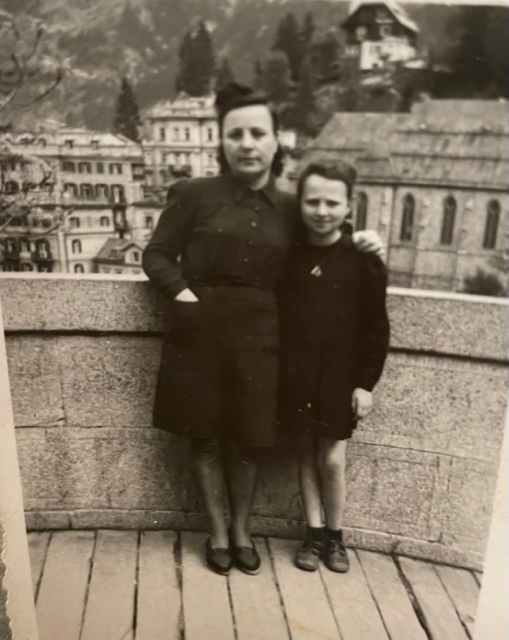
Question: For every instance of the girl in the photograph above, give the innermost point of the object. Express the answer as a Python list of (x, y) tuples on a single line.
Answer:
[(335, 337)]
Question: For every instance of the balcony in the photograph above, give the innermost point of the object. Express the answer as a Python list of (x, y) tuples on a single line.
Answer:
[(83, 354)]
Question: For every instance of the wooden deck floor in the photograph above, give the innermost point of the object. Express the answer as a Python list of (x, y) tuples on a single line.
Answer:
[(127, 585)]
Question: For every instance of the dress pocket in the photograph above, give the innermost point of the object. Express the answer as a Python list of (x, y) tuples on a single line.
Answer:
[(185, 322)]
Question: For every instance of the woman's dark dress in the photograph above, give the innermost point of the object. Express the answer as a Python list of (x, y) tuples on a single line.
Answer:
[(219, 367), (334, 336)]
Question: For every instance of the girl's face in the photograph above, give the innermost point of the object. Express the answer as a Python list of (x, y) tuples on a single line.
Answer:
[(249, 142), (324, 206)]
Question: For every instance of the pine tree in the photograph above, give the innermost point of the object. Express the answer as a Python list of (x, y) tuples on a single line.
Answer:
[(127, 115), (224, 74), (308, 29), (326, 55), (305, 99), (196, 62), (288, 41), (258, 76), (277, 78)]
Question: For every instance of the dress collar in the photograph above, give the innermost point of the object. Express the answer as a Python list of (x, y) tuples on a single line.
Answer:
[(240, 189)]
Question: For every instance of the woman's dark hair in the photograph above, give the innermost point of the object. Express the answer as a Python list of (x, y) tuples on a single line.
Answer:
[(341, 171), (234, 96)]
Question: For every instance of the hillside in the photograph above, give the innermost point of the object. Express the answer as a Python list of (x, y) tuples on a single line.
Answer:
[(98, 41)]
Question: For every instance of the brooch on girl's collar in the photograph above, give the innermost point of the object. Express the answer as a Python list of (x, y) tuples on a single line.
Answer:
[(316, 271)]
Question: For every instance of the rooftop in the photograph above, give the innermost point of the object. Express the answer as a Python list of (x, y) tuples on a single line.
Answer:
[(154, 585), (397, 11)]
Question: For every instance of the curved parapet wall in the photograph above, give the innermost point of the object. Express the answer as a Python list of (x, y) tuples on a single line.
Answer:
[(83, 355)]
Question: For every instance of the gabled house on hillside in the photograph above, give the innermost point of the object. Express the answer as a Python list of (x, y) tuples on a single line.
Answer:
[(120, 257)]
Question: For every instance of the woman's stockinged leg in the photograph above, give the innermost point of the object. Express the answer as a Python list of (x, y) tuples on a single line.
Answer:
[(309, 480), (332, 463), (242, 477), (209, 470)]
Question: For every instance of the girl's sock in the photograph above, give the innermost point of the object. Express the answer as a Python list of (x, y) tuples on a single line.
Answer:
[(334, 534)]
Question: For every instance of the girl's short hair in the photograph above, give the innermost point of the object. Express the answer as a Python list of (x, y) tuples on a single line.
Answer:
[(339, 170), (235, 96)]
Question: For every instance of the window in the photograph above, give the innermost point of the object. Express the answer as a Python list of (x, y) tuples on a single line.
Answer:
[(42, 142), (117, 193), (95, 144), (11, 186), (69, 144), (136, 256), (104, 221), (210, 134), (100, 167), (386, 30), (10, 245), (362, 211), (101, 191), (448, 219), (24, 246), (43, 249), (78, 268), (408, 218), (74, 222), (84, 167), (26, 267), (187, 134), (176, 133), (211, 159), (149, 222), (87, 192), (69, 167), (162, 134), (70, 189), (44, 268), (491, 228), (115, 168), (76, 246)]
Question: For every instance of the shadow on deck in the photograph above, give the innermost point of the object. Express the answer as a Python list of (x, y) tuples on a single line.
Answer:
[(154, 585)]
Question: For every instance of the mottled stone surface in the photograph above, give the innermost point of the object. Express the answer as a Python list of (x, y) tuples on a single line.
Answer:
[(439, 404), (421, 320), (421, 469)]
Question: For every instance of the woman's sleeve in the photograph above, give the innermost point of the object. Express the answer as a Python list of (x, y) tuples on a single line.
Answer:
[(160, 258), (375, 324)]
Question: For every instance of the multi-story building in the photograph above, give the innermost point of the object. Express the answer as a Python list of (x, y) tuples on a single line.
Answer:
[(181, 139), (94, 178), (434, 183), (379, 32)]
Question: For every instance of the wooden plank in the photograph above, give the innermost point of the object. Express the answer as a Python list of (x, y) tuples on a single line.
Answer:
[(439, 614), (306, 603), (110, 608), (256, 602), (463, 590), (38, 542), (352, 603), (64, 585), (206, 603), (391, 596), (159, 598)]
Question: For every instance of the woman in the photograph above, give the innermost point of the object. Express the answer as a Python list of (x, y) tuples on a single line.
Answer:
[(218, 376)]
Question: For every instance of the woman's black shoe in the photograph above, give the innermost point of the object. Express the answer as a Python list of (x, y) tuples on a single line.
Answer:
[(219, 560), (246, 558)]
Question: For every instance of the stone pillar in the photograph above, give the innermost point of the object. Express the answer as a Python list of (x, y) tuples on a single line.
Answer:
[(17, 610), (492, 619)]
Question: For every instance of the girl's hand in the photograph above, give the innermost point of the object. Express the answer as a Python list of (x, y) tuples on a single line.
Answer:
[(362, 403), (369, 241), (186, 296)]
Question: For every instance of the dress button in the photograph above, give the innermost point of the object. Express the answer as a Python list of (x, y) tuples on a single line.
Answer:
[(245, 261), (256, 208), (250, 243), (254, 224)]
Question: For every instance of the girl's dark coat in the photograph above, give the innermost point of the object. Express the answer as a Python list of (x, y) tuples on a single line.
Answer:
[(334, 333)]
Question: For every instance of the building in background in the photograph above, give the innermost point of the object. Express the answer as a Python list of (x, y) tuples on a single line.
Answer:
[(95, 176), (181, 139), (378, 33), (119, 256), (434, 183)]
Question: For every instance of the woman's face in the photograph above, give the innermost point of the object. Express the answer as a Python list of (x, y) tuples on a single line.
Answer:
[(324, 205), (249, 142)]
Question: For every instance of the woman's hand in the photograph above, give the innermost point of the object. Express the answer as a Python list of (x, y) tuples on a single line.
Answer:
[(369, 241), (186, 296), (362, 403)]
